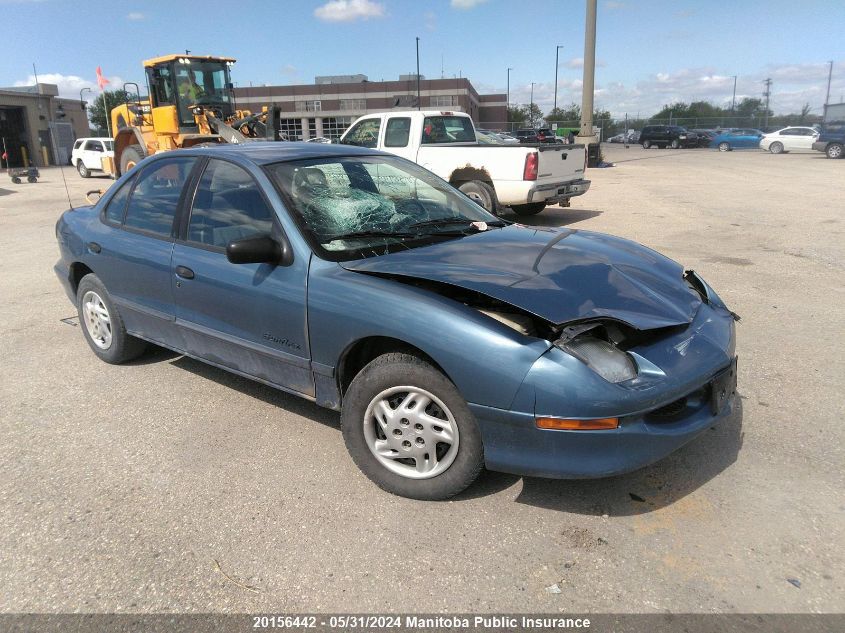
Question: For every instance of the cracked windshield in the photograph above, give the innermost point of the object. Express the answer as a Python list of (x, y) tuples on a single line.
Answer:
[(352, 203)]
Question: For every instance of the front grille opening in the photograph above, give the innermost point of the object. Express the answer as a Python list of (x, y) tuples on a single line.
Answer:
[(671, 410), (680, 408)]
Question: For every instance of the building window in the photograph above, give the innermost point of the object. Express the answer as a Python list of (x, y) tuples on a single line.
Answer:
[(354, 105), (291, 129), (309, 106), (334, 127), (444, 101)]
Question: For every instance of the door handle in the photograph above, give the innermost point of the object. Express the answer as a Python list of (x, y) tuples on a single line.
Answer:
[(184, 272), (94, 247)]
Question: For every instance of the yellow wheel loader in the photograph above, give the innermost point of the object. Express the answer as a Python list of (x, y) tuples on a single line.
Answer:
[(191, 101)]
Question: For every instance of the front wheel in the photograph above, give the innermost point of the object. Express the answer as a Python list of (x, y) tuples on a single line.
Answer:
[(409, 430), (532, 208), (674, 144), (776, 148), (724, 147), (130, 157), (834, 150), (82, 169), (481, 193), (102, 325), (646, 144)]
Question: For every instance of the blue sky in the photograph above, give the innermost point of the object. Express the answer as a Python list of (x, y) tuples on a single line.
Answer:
[(649, 52)]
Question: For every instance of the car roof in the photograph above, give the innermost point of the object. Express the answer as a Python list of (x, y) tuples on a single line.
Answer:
[(266, 152)]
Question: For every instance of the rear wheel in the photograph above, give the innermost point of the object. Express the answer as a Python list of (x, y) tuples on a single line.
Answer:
[(481, 193), (31, 179), (102, 325), (646, 144), (724, 147), (834, 150), (16, 180), (82, 169), (532, 208), (409, 430), (675, 144), (130, 157), (776, 148)]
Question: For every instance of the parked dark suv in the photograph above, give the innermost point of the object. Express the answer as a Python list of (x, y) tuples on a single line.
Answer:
[(662, 136), (541, 135), (831, 140)]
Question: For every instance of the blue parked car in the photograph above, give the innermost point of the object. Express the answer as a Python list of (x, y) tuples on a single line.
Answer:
[(449, 339), (737, 139)]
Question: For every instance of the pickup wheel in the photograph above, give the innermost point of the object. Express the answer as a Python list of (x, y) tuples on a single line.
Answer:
[(481, 193), (834, 150), (532, 208), (409, 430)]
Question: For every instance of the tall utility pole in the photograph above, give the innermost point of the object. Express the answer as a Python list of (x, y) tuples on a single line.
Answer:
[(585, 134), (829, 75), (733, 98), (557, 52), (509, 88), (531, 107), (419, 103), (767, 94)]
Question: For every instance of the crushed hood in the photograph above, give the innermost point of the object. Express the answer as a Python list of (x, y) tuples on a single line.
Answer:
[(560, 275)]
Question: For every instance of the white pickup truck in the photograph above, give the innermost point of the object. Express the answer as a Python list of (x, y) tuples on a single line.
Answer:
[(523, 177)]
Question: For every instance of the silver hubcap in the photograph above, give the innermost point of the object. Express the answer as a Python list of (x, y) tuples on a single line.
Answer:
[(411, 432), (97, 319), (835, 151)]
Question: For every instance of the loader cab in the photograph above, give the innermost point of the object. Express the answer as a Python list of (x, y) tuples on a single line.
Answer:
[(178, 84)]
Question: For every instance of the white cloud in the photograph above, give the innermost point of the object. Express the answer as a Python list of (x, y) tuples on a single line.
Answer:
[(70, 85), (612, 4), (349, 10), (135, 16), (578, 62), (289, 69), (465, 4), (430, 20)]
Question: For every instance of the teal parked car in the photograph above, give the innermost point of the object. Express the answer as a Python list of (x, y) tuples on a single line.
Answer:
[(740, 138)]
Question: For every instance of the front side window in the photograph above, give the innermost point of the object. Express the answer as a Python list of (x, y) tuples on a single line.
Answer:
[(117, 205), (447, 129), (228, 206), (364, 134), (152, 205), (350, 206), (397, 132)]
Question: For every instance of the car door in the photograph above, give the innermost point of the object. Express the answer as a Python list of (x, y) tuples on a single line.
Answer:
[(130, 249), (249, 318), (92, 154), (397, 137), (799, 138)]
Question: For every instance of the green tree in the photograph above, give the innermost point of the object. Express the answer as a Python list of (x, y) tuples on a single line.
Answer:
[(97, 110), (517, 114), (570, 114)]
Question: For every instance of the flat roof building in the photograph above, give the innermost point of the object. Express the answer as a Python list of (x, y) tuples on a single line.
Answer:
[(330, 105), (32, 128)]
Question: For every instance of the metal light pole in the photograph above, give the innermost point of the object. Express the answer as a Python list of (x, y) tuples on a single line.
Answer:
[(531, 107), (586, 131), (81, 100), (767, 94), (418, 75), (509, 87), (829, 75), (733, 98), (557, 52)]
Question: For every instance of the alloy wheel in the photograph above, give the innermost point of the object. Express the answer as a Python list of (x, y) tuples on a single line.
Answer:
[(97, 319)]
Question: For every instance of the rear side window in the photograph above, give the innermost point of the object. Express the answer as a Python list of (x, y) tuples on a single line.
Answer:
[(228, 206), (364, 134), (447, 129), (94, 146), (117, 205), (397, 132), (152, 205)]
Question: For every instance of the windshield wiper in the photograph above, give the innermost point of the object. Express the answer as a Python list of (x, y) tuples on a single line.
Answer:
[(453, 221), (364, 234)]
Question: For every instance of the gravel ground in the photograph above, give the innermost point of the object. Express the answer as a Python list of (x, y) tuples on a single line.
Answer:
[(170, 486)]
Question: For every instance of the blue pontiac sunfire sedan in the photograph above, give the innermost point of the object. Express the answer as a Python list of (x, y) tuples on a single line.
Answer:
[(449, 339)]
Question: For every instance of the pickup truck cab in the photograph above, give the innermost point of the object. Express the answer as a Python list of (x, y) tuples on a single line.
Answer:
[(525, 178)]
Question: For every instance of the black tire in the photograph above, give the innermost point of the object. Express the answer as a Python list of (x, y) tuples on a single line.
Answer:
[(532, 208), (481, 193), (393, 370), (646, 144), (724, 146), (776, 147), (130, 157), (674, 144), (31, 179), (123, 347), (82, 169), (16, 180), (834, 150)]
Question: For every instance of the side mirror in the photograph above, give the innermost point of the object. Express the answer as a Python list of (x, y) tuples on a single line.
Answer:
[(261, 249)]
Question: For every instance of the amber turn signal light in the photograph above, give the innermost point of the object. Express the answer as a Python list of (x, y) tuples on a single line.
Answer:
[(560, 424)]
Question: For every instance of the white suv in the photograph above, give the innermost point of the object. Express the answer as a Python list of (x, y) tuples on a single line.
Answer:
[(88, 153)]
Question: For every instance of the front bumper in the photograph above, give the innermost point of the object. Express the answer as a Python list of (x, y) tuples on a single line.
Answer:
[(820, 146), (558, 191)]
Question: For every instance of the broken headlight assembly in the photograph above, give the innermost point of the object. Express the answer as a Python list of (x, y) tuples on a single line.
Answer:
[(603, 357)]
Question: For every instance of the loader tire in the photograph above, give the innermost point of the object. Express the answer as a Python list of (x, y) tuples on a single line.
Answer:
[(130, 157)]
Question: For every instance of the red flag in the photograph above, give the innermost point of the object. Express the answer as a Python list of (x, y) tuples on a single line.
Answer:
[(101, 81)]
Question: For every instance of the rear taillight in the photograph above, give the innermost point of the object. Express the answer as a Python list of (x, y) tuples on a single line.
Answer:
[(530, 171)]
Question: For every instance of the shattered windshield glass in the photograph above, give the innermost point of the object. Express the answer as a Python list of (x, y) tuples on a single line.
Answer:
[(353, 203)]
